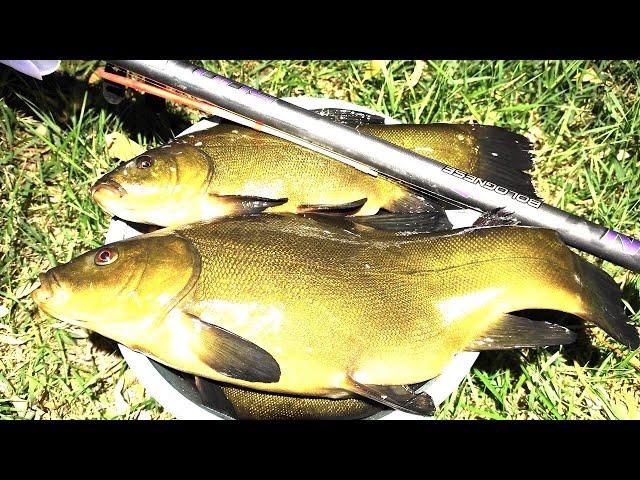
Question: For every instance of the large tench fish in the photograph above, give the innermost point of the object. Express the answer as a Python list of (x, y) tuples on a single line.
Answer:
[(320, 306), (230, 169)]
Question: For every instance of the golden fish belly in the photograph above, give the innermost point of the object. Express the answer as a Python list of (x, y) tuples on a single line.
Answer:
[(386, 310)]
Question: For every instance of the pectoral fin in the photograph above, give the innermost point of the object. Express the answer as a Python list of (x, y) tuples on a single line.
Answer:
[(234, 356), (517, 332), (335, 209), (245, 205), (400, 397)]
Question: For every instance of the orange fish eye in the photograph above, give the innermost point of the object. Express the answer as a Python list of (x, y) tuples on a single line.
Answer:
[(105, 256), (144, 161)]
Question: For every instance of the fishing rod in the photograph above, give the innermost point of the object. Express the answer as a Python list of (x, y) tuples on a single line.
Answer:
[(145, 85), (414, 170)]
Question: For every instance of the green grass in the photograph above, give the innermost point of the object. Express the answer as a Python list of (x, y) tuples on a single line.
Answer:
[(582, 116)]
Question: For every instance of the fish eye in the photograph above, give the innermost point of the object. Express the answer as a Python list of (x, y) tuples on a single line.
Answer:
[(144, 161), (105, 256)]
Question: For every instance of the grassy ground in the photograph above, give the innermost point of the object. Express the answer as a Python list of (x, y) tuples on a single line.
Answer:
[(582, 116)]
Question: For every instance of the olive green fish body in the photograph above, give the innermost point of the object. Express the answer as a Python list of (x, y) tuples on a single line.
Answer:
[(300, 305), (212, 173)]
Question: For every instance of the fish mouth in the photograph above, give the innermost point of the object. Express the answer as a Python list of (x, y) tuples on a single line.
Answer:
[(44, 295), (45, 291), (108, 187)]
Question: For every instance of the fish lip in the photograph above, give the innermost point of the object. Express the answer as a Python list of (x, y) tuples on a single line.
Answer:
[(48, 283), (110, 185), (43, 295), (45, 285), (54, 279)]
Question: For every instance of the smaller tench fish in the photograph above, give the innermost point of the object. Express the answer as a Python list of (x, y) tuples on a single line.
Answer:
[(230, 169), (317, 306)]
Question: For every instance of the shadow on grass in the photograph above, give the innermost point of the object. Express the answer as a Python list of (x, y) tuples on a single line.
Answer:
[(104, 344), (61, 95), (582, 351), (631, 294)]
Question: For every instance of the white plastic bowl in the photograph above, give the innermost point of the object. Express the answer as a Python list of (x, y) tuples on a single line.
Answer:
[(180, 397)]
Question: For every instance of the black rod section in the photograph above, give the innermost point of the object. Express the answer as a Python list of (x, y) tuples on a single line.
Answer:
[(421, 173)]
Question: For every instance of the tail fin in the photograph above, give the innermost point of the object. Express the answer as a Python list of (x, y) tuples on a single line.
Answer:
[(503, 157), (490, 153), (605, 299)]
